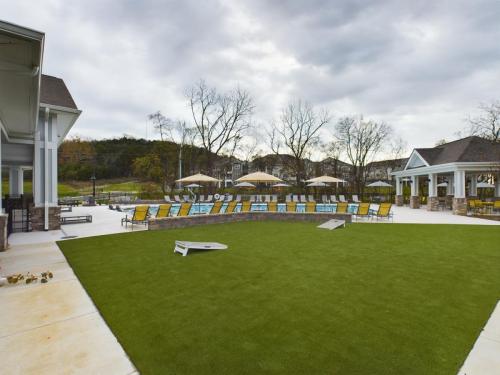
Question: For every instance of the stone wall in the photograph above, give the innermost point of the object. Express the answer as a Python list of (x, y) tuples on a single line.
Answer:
[(399, 200), (3, 232), (38, 218), (414, 201), (432, 203), (188, 221), (460, 206)]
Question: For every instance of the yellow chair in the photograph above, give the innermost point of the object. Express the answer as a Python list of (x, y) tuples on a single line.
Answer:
[(363, 210), (246, 206), (341, 208), (163, 211), (230, 207), (384, 211), (291, 207), (272, 207), (184, 210), (310, 207), (216, 207), (140, 216), (496, 205)]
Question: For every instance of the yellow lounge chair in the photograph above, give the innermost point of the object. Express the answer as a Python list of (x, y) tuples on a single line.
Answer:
[(216, 207), (363, 210), (341, 208), (496, 205), (291, 207), (272, 207), (163, 211), (384, 211), (230, 207), (310, 207), (184, 210), (140, 216), (246, 206)]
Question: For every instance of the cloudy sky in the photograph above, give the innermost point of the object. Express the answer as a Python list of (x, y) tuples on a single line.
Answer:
[(421, 66)]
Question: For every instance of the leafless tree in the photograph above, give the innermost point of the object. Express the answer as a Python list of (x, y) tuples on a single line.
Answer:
[(362, 140), (487, 124), (297, 133), (220, 119), (162, 125)]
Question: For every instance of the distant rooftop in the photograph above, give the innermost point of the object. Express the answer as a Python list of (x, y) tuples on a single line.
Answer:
[(53, 91)]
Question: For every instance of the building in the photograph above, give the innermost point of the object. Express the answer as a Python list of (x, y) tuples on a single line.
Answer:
[(382, 170), (459, 163), (36, 113)]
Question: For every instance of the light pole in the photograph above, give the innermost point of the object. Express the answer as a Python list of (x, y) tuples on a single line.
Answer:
[(92, 201)]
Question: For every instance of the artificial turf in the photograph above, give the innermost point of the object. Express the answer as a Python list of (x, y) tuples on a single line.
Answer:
[(289, 298)]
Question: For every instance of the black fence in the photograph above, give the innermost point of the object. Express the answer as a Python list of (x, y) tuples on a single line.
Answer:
[(19, 215)]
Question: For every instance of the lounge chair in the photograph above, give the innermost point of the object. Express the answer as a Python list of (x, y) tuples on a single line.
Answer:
[(163, 210), (221, 198), (288, 198), (167, 199), (110, 206), (139, 216), (186, 198), (216, 208), (310, 198), (333, 199), (230, 207), (201, 198), (363, 211), (209, 199), (295, 198), (184, 210), (310, 207), (246, 206), (355, 199), (341, 208), (384, 211), (342, 199), (496, 206), (229, 198), (252, 198), (274, 198), (272, 207), (303, 199), (267, 198), (324, 199), (238, 198), (291, 207)]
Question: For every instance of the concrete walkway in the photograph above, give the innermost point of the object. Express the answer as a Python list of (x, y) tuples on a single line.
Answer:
[(53, 328)]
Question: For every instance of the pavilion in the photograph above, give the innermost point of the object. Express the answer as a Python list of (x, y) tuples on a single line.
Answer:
[(459, 163), (36, 113)]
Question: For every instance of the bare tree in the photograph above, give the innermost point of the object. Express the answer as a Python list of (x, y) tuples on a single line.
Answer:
[(162, 125), (362, 140), (220, 119), (297, 133), (487, 124)]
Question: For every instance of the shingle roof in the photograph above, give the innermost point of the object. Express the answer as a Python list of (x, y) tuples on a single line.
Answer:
[(470, 149), (53, 91)]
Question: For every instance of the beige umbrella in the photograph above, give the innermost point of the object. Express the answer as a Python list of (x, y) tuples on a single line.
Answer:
[(197, 178), (259, 177), (325, 179)]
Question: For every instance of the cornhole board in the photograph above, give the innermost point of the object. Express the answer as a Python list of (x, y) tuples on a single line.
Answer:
[(332, 224), (184, 246)]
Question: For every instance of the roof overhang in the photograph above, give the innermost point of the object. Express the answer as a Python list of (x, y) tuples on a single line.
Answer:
[(484, 167), (21, 55), (415, 161)]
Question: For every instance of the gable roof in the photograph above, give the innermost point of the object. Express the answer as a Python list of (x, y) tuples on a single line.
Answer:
[(53, 91), (470, 149)]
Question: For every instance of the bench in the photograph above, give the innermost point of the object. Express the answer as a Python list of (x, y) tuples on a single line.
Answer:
[(76, 219)]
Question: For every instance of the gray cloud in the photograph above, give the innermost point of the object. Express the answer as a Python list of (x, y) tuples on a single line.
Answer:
[(421, 66)]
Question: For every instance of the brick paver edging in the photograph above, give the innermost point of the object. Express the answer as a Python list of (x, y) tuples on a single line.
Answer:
[(188, 221)]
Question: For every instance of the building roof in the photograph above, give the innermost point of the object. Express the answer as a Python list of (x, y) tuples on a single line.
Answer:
[(53, 91), (470, 149)]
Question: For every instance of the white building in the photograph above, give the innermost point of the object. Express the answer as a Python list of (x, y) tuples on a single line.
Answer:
[(36, 113)]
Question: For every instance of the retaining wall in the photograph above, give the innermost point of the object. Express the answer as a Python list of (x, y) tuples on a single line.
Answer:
[(188, 221)]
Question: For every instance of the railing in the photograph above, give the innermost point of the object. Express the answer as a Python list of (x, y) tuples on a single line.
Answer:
[(19, 215)]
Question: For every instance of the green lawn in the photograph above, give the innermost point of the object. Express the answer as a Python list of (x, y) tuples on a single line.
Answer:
[(288, 298)]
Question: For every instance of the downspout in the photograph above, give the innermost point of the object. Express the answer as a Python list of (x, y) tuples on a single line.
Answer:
[(46, 169)]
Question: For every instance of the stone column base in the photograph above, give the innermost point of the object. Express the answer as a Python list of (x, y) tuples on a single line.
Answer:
[(3, 232), (432, 203), (38, 218), (449, 201), (399, 200), (460, 206), (414, 201)]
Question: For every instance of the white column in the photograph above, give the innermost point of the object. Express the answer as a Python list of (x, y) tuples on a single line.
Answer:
[(459, 183), (16, 184), (398, 186), (497, 186), (414, 186), (432, 185), (473, 185), (449, 187)]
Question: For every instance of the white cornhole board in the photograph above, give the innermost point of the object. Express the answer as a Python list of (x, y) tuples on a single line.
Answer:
[(332, 224), (184, 246)]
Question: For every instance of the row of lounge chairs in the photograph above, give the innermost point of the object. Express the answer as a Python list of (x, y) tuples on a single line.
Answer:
[(263, 198), (141, 214)]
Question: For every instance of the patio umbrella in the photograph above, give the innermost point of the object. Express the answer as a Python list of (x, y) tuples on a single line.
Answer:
[(259, 177), (485, 185), (325, 179), (248, 185), (316, 184), (193, 186), (379, 184), (197, 179), (280, 185), (442, 184)]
